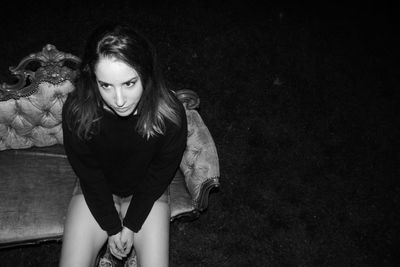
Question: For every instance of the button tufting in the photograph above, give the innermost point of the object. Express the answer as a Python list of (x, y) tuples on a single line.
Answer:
[(17, 110), (46, 112)]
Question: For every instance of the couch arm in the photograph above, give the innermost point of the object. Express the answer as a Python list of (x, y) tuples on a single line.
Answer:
[(200, 164)]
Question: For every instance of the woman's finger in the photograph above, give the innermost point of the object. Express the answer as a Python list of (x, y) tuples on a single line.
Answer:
[(118, 244), (128, 247), (127, 239), (113, 244), (114, 251), (117, 253)]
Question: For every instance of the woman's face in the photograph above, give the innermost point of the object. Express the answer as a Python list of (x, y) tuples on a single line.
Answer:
[(119, 85)]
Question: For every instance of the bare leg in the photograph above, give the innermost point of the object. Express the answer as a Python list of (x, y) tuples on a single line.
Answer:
[(151, 243), (83, 237)]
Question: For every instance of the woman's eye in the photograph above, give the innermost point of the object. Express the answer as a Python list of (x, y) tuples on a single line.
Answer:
[(130, 84), (103, 85)]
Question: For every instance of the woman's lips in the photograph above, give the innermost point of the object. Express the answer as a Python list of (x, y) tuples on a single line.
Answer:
[(121, 109)]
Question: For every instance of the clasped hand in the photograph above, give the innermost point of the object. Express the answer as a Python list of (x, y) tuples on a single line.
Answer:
[(121, 243)]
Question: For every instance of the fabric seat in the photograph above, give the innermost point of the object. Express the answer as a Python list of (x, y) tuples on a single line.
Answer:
[(36, 187)]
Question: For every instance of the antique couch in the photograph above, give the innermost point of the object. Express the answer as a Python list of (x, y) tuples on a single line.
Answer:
[(36, 179)]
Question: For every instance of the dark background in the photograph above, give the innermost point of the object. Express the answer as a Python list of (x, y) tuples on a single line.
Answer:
[(301, 101)]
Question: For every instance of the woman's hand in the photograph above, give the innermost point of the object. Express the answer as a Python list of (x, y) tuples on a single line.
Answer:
[(127, 239), (116, 247)]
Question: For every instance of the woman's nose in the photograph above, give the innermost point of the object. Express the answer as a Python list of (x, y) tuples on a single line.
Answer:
[(119, 97)]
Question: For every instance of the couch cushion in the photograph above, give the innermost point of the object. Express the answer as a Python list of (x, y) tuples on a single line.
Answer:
[(36, 186)]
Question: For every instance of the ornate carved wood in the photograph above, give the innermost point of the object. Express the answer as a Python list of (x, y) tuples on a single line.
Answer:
[(189, 98), (52, 69)]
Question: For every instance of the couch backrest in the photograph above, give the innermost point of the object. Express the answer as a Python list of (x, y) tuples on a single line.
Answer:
[(34, 120), (30, 110)]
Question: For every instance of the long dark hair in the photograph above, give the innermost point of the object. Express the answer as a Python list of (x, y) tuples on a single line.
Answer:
[(85, 104)]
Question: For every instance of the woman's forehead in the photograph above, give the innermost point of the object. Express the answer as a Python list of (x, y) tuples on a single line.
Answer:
[(112, 70)]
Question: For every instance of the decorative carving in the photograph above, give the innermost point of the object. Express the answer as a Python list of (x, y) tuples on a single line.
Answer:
[(189, 98), (51, 70)]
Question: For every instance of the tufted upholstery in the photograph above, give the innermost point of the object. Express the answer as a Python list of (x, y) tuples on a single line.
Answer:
[(34, 120), (200, 161), (36, 179)]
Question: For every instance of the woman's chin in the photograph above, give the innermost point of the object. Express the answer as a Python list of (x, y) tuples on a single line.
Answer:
[(124, 112)]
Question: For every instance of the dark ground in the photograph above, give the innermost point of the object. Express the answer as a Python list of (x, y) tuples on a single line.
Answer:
[(301, 102)]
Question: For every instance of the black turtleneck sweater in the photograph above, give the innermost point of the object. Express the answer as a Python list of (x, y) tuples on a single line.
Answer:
[(120, 161)]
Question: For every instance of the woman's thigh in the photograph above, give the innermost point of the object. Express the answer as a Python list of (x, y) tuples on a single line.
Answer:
[(82, 237), (151, 243)]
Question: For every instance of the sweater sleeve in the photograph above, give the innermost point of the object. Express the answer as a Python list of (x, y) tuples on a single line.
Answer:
[(160, 174), (92, 180)]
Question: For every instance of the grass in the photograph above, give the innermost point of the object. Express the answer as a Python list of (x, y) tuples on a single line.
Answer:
[(300, 103)]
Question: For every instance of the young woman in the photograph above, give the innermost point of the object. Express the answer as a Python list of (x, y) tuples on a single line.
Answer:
[(124, 135)]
